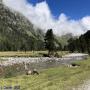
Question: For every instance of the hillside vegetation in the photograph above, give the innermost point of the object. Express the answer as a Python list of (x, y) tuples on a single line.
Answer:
[(17, 33), (81, 44)]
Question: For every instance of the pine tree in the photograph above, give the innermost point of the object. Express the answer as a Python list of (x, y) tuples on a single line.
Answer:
[(49, 41)]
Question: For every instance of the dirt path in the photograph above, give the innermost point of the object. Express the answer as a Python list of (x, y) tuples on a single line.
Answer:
[(85, 86)]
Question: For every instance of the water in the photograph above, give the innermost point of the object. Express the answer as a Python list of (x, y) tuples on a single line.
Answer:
[(39, 63)]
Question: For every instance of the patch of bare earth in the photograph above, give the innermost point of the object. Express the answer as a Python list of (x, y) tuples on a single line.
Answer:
[(85, 86)]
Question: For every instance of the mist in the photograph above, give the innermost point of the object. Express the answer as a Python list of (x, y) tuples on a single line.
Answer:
[(41, 17)]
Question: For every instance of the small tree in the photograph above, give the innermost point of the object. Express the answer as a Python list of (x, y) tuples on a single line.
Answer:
[(49, 41)]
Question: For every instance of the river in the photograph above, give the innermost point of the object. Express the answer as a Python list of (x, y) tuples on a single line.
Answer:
[(42, 62)]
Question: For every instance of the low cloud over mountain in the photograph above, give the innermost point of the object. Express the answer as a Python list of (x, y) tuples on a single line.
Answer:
[(41, 16)]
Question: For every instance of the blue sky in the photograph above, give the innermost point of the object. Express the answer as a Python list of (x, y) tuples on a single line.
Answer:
[(63, 16), (75, 9)]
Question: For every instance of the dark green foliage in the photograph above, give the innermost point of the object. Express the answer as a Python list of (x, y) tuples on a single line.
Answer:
[(71, 45), (82, 44), (17, 33), (49, 41)]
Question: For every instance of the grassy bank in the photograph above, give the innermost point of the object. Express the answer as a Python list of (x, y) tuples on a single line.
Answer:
[(28, 53), (59, 78)]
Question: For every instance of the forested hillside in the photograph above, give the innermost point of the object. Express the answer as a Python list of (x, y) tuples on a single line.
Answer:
[(17, 33), (81, 44)]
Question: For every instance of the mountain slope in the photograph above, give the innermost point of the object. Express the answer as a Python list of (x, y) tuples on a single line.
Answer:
[(81, 44), (64, 39), (16, 32)]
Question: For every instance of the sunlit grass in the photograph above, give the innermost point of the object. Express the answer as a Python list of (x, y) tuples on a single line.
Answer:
[(59, 78), (27, 53)]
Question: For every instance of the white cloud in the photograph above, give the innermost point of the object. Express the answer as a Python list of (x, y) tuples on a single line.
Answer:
[(86, 22), (40, 15)]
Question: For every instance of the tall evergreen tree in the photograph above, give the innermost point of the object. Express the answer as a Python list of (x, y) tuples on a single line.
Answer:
[(49, 41)]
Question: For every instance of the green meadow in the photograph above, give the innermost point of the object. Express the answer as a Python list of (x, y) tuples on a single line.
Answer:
[(58, 78), (28, 53)]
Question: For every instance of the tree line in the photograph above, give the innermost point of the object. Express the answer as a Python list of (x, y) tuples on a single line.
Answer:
[(20, 41), (81, 44)]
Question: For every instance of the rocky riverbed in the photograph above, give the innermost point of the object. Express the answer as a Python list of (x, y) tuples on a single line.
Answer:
[(43, 61)]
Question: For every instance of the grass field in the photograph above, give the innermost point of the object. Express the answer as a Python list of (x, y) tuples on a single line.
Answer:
[(59, 78), (28, 53)]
